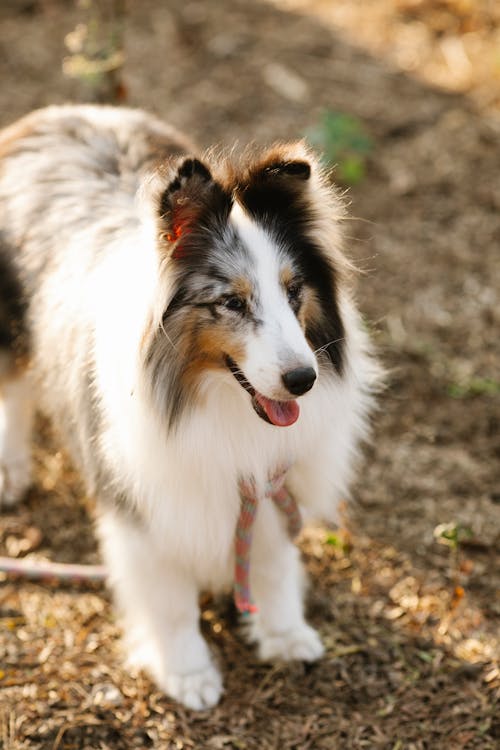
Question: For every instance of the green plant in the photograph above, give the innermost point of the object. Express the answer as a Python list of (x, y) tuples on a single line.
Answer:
[(452, 535), (339, 540), (474, 387), (344, 144), (96, 48)]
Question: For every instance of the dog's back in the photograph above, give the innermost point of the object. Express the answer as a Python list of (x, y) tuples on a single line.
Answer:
[(69, 178), (66, 170)]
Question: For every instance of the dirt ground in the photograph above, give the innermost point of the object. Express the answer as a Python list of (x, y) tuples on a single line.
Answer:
[(411, 625)]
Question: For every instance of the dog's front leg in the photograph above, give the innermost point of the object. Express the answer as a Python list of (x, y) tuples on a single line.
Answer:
[(16, 416), (278, 585), (159, 600)]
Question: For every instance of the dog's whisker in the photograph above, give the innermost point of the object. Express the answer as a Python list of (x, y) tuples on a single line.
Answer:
[(162, 327), (323, 348), (239, 372)]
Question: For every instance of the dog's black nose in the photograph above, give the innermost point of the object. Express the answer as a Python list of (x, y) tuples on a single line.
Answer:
[(300, 380)]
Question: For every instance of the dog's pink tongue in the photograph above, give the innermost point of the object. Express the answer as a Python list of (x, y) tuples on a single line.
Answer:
[(280, 413)]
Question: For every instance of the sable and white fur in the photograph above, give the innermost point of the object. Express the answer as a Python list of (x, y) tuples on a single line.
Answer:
[(132, 276)]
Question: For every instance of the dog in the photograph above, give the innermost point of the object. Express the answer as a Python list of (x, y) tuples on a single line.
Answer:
[(187, 322)]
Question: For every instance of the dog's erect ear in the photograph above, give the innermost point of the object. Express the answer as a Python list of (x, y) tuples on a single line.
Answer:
[(191, 176), (288, 161), (187, 190), (299, 169), (279, 182), (190, 195)]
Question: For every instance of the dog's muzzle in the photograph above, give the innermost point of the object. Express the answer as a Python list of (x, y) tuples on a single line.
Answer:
[(278, 413)]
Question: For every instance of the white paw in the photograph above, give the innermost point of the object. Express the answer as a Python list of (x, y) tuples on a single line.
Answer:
[(302, 644), (197, 690), (15, 478)]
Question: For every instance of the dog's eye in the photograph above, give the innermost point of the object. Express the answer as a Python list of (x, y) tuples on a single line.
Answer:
[(234, 303), (294, 293)]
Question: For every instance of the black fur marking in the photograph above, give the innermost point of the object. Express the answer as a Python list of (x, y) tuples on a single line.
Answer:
[(178, 301), (239, 376), (328, 333), (191, 208), (294, 294), (165, 369), (300, 169), (285, 212), (190, 167), (165, 199), (13, 329)]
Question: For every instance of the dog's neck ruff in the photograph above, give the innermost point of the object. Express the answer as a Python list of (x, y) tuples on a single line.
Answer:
[(250, 498)]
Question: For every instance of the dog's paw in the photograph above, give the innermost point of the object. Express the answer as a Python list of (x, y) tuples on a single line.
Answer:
[(198, 690), (301, 644), (15, 479)]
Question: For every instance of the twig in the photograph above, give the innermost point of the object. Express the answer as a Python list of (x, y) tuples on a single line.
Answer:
[(46, 570)]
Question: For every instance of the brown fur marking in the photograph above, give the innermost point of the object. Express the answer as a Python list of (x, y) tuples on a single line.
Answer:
[(11, 135), (210, 347)]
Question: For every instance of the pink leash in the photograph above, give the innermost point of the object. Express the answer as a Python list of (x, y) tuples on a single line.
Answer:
[(275, 489)]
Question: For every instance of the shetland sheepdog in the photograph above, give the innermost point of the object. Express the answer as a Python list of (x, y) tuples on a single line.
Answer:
[(187, 323)]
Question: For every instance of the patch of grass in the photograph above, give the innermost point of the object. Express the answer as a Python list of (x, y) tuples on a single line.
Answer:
[(344, 143), (474, 387)]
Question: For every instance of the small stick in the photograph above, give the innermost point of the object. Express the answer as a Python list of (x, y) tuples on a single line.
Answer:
[(45, 570)]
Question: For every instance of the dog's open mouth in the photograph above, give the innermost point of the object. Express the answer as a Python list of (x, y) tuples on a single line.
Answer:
[(279, 413)]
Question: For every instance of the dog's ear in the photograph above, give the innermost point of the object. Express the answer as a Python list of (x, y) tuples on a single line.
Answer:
[(278, 183), (298, 169), (190, 196), (187, 192), (290, 162)]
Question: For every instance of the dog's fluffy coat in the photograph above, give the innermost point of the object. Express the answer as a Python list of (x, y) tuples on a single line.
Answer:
[(156, 303)]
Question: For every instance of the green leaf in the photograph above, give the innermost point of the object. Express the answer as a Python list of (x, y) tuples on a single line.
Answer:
[(344, 143), (351, 170)]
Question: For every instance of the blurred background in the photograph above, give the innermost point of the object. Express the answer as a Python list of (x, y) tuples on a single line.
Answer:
[(402, 99)]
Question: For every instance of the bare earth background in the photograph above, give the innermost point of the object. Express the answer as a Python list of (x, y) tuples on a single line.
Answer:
[(411, 626)]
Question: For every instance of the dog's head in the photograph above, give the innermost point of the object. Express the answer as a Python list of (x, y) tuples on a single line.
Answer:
[(251, 261)]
